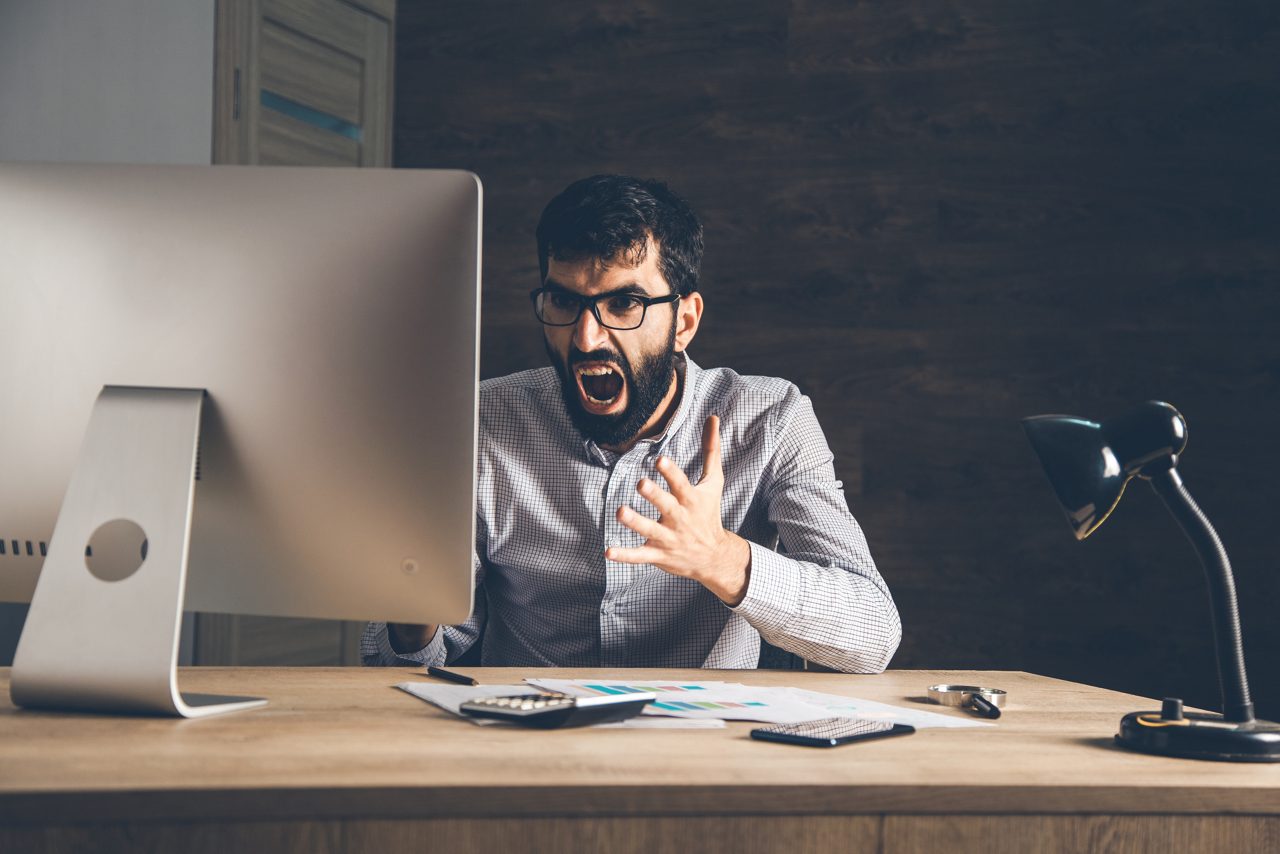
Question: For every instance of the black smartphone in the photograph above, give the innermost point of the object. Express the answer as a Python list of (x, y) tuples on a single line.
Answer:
[(829, 732)]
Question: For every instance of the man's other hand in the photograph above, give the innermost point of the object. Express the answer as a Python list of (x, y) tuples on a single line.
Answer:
[(408, 637)]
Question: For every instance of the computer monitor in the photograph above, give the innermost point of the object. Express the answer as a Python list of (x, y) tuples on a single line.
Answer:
[(252, 390)]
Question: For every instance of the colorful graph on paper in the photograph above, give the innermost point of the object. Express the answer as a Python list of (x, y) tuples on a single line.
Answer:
[(690, 702), (723, 700)]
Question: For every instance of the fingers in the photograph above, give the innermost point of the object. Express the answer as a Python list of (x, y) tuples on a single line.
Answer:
[(711, 467), (675, 478), (642, 525), (687, 539), (666, 502), (643, 554)]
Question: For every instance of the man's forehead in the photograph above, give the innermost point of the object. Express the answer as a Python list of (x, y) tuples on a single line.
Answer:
[(597, 274)]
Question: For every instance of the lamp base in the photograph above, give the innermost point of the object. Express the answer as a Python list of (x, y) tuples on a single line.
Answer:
[(1199, 736)]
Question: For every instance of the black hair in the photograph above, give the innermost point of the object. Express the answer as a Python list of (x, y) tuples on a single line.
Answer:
[(607, 217)]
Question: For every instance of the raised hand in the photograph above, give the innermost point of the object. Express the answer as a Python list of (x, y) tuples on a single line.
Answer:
[(688, 539)]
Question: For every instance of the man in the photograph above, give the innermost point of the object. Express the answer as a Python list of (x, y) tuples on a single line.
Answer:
[(629, 501)]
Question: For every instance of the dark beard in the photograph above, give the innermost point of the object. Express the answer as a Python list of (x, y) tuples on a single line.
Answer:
[(647, 385)]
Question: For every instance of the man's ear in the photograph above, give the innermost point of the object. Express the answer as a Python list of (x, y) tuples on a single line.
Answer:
[(688, 316)]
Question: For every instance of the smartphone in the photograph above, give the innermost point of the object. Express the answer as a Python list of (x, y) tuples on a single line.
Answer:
[(829, 732)]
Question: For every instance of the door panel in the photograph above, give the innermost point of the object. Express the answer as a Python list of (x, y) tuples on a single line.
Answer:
[(310, 72), (322, 63)]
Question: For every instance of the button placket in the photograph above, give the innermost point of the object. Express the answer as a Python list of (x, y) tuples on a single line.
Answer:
[(621, 483), (618, 576)]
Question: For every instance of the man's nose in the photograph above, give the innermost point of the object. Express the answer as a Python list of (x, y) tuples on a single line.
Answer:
[(588, 334)]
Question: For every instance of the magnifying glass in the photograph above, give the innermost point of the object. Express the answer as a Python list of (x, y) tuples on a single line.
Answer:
[(984, 701)]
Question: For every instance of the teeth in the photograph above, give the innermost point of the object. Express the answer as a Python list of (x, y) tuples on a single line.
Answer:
[(596, 371)]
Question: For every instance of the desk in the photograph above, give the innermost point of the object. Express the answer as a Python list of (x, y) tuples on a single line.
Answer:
[(341, 761)]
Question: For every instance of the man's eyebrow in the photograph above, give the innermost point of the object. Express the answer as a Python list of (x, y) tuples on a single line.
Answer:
[(629, 288)]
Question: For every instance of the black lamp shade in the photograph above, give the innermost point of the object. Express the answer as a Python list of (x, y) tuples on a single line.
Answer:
[(1089, 463)]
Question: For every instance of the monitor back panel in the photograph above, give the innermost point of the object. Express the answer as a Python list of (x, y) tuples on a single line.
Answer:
[(333, 318)]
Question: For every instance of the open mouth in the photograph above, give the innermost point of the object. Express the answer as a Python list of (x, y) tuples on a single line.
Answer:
[(601, 384)]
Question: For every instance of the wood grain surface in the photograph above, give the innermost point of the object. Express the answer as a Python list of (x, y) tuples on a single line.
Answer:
[(340, 761), (936, 217), (343, 743)]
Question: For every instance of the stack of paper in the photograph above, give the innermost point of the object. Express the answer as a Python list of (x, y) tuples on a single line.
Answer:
[(696, 704), (735, 701)]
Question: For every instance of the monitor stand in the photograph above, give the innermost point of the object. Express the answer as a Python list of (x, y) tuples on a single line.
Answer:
[(102, 633)]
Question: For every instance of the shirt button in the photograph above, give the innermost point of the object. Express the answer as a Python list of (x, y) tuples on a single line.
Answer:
[(614, 544)]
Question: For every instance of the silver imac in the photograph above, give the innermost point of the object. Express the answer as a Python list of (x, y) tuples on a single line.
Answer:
[(247, 390)]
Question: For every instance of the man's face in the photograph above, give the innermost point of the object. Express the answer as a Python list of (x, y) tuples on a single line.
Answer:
[(617, 383)]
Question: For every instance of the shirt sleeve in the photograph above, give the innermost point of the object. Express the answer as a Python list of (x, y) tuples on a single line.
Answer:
[(448, 643), (821, 596), (376, 651)]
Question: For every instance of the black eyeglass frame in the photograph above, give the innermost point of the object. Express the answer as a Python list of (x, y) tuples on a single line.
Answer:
[(593, 303)]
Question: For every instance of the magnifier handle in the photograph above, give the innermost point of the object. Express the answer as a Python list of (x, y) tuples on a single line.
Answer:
[(983, 707)]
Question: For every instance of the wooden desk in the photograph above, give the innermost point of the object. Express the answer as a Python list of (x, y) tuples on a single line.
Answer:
[(340, 761)]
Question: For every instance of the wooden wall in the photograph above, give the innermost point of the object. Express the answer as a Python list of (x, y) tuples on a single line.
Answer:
[(936, 217)]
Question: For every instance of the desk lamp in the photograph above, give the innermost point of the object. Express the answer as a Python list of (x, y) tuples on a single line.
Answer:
[(1089, 464)]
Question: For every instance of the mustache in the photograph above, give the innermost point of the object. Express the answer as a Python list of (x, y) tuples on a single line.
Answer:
[(601, 355)]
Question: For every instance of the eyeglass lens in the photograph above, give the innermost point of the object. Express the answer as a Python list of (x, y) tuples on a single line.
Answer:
[(619, 311)]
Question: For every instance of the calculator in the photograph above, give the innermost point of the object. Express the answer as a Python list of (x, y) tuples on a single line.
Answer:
[(548, 709)]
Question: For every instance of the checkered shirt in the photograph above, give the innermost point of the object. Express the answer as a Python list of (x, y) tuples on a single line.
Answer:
[(546, 510)]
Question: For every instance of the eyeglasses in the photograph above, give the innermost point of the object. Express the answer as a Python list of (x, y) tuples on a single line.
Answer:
[(556, 307)]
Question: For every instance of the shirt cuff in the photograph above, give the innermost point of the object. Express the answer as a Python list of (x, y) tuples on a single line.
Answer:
[(772, 599), (433, 653)]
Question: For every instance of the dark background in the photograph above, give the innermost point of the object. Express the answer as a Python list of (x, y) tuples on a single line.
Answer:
[(936, 218)]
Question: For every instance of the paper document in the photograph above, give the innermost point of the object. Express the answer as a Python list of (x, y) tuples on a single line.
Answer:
[(654, 722), (851, 707), (700, 700), (735, 701)]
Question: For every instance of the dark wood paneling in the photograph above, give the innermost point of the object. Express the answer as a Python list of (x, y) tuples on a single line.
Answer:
[(936, 217)]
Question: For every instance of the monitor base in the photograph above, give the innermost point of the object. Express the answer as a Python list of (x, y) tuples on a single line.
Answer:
[(102, 633), (1200, 736), (204, 705)]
